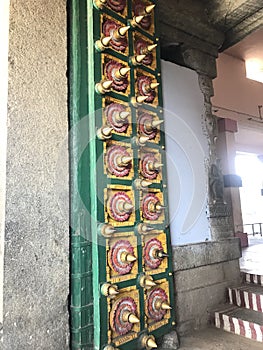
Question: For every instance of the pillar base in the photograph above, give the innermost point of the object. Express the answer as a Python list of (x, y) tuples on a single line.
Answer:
[(170, 341)]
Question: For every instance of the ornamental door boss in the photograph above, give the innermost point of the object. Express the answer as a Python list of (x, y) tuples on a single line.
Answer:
[(121, 265)]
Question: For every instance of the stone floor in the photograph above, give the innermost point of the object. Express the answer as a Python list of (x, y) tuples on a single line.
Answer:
[(252, 257), (216, 339)]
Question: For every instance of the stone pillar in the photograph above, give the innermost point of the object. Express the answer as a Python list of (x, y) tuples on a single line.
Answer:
[(227, 152)]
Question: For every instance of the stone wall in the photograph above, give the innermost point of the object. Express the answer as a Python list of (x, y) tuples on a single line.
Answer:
[(202, 273), (36, 283)]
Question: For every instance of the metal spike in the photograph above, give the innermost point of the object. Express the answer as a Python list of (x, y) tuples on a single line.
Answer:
[(140, 58), (108, 289), (133, 319), (149, 48), (156, 123), (128, 258), (124, 115), (123, 30), (137, 59), (151, 343), (165, 306), (106, 40), (103, 43), (159, 207), (141, 99), (138, 19), (151, 86), (143, 228), (99, 3), (157, 165), (104, 133), (123, 161), (161, 254), (143, 139), (154, 85), (107, 84), (148, 9), (127, 206), (103, 86), (113, 290), (107, 230), (145, 183), (147, 282), (124, 71)]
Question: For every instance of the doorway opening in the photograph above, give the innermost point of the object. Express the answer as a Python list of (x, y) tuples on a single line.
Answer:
[(250, 167)]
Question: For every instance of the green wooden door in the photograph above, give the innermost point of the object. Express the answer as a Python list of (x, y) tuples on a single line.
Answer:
[(122, 293)]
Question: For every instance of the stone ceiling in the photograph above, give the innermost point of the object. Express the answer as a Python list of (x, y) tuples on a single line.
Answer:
[(219, 23)]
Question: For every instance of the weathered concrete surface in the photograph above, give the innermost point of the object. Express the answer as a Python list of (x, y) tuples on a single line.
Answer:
[(191, 256), (200, 290), (216, 339), (36, 257)]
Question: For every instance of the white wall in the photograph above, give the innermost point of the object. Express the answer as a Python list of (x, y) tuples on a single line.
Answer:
[(4, 20), (187, 151)]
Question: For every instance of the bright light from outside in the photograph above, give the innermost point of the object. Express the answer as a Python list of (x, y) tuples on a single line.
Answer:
[(254, 70), (250, 168)]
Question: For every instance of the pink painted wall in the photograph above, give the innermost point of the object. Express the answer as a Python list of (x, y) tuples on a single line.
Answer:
[(233, 90)]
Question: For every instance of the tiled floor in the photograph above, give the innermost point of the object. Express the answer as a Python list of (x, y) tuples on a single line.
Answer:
[(252, 257)]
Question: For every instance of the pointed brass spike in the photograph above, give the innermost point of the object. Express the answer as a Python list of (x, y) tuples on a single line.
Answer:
[(149, 48), (161, 254), (154, 85), (145, 183), (122, 72), (113, 290), (133, 319), (124, 115), (151, 343), (103, 86), (123, 30), (104, 133), (143, 139), (99, 3), (123, 161), (127, 206), (138, 19), (147, 282), (107, 84), (140, 58), (137, 59), (128, 257), (143, 228), (103, 43), (108, 289), (159, 207), (165, 306), (141, 99), (106, 40), (107, 230), (130, 317), (156, 123), (157, 165), (151, 86), (148, 9)]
